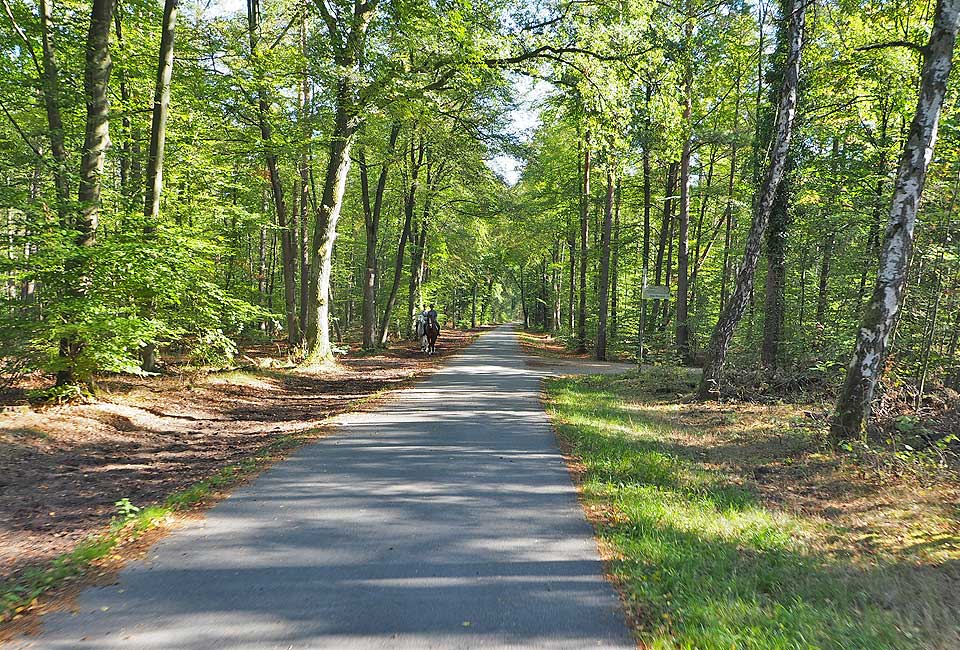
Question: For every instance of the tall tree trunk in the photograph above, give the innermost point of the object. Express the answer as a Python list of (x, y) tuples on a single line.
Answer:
[(728, 212), (161, 109), (51, 102), (473, 307), (557, 284), (826, 257), (306, 183), (371, 216), (600, 353), (856, 397), (733, 312), (96, 87), (349, 49), (584, 234), (876, 224), (668, 270), (683, 260), (523, 302), (287, 246), (418, 242), (305, 195), (126, 189), (615, 263), (773, 311), (158, 139), (572, 289), (645, 250), (317, 330)]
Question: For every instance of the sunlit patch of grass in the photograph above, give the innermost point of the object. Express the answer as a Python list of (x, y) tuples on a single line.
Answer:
[(703, 563), (240, 378)]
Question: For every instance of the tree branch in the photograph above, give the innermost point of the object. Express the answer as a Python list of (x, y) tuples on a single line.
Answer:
[(23, 37), (20, 130), (907, 44)]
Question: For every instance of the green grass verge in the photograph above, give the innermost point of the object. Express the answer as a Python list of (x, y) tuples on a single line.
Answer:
[(702, 563)]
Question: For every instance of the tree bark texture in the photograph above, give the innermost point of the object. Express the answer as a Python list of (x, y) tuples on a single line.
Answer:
[(737, 305), (856, 397), (584, 234), (600, 353)]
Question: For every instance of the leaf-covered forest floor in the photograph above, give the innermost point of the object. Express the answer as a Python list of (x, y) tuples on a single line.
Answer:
[(735, 525), (63, 468)]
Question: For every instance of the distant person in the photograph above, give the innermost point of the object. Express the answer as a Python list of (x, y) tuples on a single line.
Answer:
[(433, 330)]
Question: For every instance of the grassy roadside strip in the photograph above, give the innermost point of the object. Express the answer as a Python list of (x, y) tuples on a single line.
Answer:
[(22, 595), (701, 561)]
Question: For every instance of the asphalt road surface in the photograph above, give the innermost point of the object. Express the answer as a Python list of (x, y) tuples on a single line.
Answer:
[(443, 519)]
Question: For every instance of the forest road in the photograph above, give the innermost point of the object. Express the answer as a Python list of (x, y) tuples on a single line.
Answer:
[(445, 518)]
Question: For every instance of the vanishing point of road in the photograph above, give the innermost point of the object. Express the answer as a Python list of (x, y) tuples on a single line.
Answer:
[(445, 518)]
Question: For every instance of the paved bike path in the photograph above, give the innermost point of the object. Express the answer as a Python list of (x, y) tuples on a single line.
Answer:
[(443, 519)]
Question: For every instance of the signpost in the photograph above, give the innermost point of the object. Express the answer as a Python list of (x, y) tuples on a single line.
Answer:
[(656, 292), (648, 292)]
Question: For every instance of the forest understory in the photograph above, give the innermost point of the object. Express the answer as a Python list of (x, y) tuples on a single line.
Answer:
[(64, 469)]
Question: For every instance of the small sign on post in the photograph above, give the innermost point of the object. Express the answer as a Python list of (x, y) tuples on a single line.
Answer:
[(648, 292), (656, 292)]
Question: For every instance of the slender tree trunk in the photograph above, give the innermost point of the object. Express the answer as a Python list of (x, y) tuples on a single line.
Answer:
[(826, 257), (418, 243), (572, 291), (96, 86), (523, 302), (668, 271), (287, 246), (416, 160), (600, 353), (473, 307), (584, 234), (728, 212), (158, 139), (51, 102), (371, 214), (126, 189), (557, 284), (306, 181), (733, 312), (615, 263), (161, 109), (665, 228), (683, 260), (856, 397), (305, 194)]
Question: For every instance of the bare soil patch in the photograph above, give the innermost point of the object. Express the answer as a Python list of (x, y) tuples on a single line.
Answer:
[(63, 468)]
